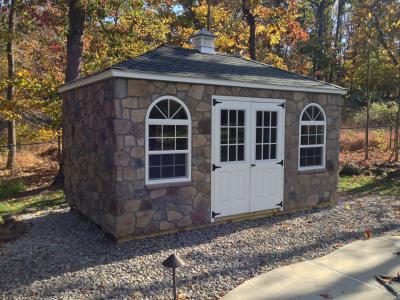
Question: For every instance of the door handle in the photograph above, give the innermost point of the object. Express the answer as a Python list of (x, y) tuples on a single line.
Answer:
[(253, 165)]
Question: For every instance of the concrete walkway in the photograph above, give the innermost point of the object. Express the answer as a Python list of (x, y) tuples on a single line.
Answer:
[(347, 273)]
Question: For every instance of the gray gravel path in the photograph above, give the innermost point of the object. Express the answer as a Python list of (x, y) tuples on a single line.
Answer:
[(65, 257)]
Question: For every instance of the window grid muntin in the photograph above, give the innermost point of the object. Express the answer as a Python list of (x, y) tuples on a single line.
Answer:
[(181, 110), (266, 148), (316, 120), (232, 122)]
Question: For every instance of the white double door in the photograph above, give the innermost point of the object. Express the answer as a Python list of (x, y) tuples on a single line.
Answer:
[(248, 154)]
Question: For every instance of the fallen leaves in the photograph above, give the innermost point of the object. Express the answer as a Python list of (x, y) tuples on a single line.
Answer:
[(368, 233)]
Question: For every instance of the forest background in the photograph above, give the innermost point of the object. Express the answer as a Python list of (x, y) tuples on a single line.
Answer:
[(44, 43)]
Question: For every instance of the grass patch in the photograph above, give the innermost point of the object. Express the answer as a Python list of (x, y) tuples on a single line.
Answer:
[(10, 188), (366, 185), (36, 202)]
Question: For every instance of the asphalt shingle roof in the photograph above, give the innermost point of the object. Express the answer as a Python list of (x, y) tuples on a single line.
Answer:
[(175, 61)]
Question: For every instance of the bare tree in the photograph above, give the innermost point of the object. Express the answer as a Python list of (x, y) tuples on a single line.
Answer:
[(12, 138)]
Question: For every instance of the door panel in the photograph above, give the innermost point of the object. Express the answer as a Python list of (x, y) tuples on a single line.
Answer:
[(266, 179), (231, 132)]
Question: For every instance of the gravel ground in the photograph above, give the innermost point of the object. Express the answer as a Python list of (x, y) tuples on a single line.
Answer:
[(65, 257)]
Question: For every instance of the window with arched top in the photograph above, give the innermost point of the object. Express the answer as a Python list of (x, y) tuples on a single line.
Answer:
[(168, 141), (312, 138)]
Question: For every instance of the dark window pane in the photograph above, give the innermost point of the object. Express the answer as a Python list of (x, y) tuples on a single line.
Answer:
[(310, 112), (163, 107), (312, 139), (173, 107), (167, 172), (306, 116), (318, 151), (180, 159), (181, 144), (224, 135), (320, 129), (180, 171), (274, 116), (304, 129), (240, 135), (267, 117), (241, 117), (259, 135), (232, 135), (181, 131), (313, 129), (310, 160), (303, 152), (232, 118), (168, 144), (266, 152), (273, 151), (156, 114), (319, 116), (320, 139), (154, 160), (232, 153), (155, 130), (273, 135), (259, 118), (318, 160), (154, 144), (224, 117), (304, 140), (258, 152), (154, 173), (168, 131), (303, 161), (240, 152), (181, 115), (266, 138), (224, 153), (167, 159)]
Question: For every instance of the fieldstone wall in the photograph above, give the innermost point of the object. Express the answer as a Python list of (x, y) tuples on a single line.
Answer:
[(121, 202), (88, 147)]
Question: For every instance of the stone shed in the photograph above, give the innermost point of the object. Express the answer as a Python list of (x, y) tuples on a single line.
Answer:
[(178, 138)]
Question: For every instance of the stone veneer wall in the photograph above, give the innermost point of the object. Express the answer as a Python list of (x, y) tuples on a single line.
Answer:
[(104, 160)]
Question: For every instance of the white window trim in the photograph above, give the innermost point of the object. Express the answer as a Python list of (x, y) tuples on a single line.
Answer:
[(187, 122), (322, 166)]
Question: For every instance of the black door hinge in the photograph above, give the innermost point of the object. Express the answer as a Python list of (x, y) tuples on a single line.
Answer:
[(282, 105), (280, 163), (214, 214), (214, 167), (215, 102), (279, 204)]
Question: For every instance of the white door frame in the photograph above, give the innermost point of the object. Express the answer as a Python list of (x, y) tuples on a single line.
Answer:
[(241, 99)]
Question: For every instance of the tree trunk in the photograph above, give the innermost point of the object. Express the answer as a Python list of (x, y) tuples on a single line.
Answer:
[(251, 21), (396, 132), (12, 139), (368, 94), (76, 20), (208, 15), (338, 37)]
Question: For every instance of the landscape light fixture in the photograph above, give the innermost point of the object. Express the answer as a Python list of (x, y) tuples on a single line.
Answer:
[(173, 262)]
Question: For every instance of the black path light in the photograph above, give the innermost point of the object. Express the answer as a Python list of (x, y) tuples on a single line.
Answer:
[(173, 262)]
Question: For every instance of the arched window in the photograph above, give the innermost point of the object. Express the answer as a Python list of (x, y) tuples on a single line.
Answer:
[(312, 138), (168, 141)]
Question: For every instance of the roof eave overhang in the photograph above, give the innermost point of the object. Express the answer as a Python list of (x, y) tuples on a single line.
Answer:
[(163, 77)]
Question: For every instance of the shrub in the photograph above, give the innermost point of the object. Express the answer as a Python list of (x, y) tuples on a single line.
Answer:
[(350, 169), (380, 113), (10, 188)]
